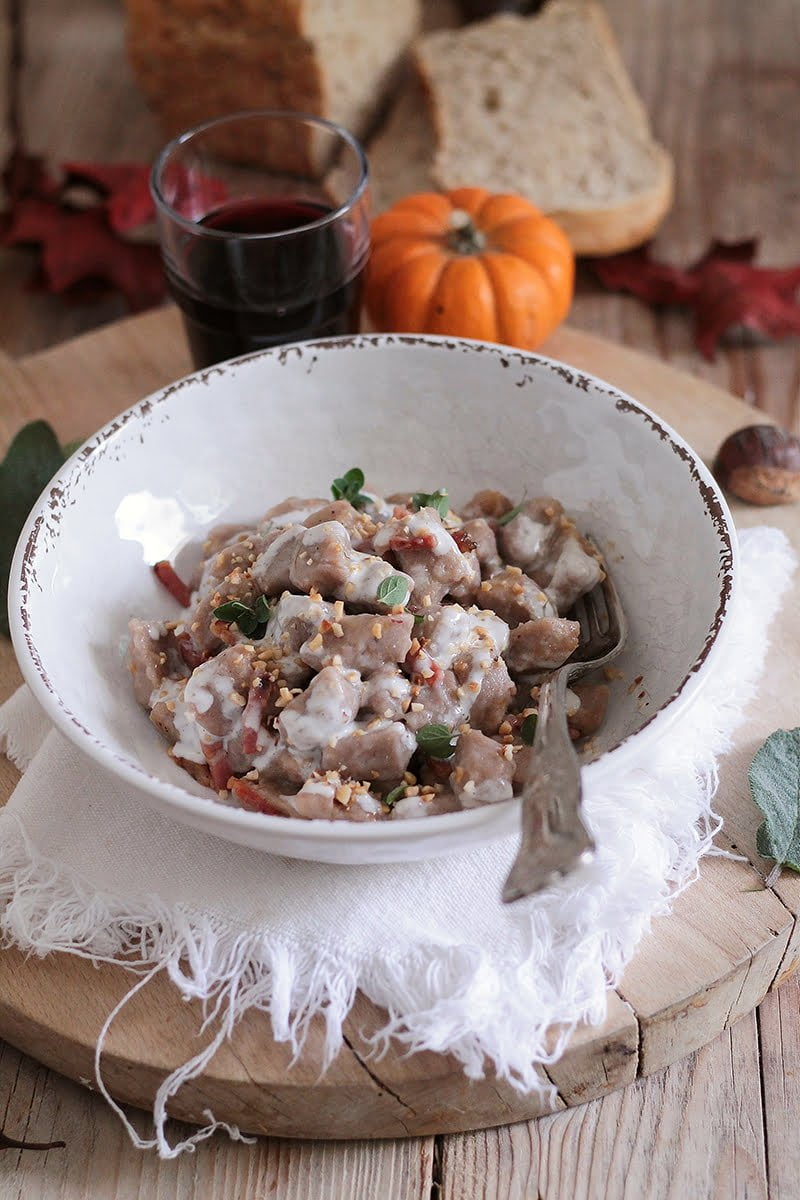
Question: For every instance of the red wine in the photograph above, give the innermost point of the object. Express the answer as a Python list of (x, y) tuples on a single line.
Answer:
[(238, 294)]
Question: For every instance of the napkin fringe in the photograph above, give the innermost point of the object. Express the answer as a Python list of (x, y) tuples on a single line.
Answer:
[(443, 1001), (47, 908), (441, 996)]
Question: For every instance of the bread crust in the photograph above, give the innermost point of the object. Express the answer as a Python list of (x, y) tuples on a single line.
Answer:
[(599, 231), (593, 228), (198, 59)]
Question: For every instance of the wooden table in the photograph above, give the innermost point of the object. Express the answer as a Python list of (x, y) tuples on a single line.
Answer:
[(720, 78)]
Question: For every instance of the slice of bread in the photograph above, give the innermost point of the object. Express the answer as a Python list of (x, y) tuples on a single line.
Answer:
[(543, 106), (401, 154), (196, 59)]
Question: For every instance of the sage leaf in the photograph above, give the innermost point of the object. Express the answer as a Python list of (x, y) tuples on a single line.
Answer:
[(32, 460), (527, 730), (774, 779), (348, 487), (393, 590), (262, 609), (69, 448), (394, 795), (438, 500), (437, 741), (252, 622), (512, 512)]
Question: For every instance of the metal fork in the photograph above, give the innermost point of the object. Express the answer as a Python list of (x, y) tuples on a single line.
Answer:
[(554, 837)]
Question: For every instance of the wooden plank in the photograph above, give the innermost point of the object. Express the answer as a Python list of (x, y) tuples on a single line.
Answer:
[(100, 1162), (694, 1131), (712, 960), (779, 1045), (614, 1061)]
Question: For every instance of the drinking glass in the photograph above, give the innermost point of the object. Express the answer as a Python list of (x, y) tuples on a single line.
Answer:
[(264, 228)]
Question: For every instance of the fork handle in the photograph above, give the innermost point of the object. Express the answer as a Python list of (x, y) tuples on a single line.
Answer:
[(554, 837)]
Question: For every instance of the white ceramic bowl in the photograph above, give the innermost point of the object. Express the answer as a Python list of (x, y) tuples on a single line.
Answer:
[(413, 412)]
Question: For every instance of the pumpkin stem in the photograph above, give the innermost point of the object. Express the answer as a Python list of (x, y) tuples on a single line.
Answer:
[(463, 237)]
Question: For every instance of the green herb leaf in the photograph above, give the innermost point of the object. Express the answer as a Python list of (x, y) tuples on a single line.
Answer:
[(438, 500), (32, 460), (527, 730), (348, 487), (419, 618), (437, 741), (394, 795), (512, 512), (69, 448), (252, 622), (774, 778), (262, 609), (393, 590)]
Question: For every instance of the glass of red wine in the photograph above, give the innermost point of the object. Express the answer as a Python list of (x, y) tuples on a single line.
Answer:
[(264, 229)]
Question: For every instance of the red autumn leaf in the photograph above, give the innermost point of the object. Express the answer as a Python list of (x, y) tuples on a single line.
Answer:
[(723, 289), (125, 186), (31, 220), (79, 246)]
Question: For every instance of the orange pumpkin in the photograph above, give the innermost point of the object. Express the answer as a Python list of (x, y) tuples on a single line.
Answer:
[(467, 263)]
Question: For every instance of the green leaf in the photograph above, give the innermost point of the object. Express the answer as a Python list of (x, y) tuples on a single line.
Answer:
[(262, 609), (774, 778), (419, 618), (348, 487), (394, 795), (527, 730), (393, 590), (512, 512), (252, 622), (32, 460), (69, 448), (437, 741), (438, 500)]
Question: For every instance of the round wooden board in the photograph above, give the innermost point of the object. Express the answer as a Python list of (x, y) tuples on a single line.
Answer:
[(725, 943)]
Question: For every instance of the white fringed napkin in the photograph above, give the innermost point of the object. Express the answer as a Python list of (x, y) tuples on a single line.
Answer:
[(84, 867)]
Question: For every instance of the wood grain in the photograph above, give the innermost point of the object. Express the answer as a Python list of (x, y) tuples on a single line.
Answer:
[(693, 1131), (99, 1162)]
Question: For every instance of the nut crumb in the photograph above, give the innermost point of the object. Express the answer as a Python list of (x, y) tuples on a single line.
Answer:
[(344, 793)]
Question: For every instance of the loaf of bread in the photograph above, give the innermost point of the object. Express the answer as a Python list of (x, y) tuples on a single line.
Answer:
[(543, 105), (197, 59)]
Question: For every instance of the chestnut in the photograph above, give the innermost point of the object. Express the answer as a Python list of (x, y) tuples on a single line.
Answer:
[(760, 464)]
